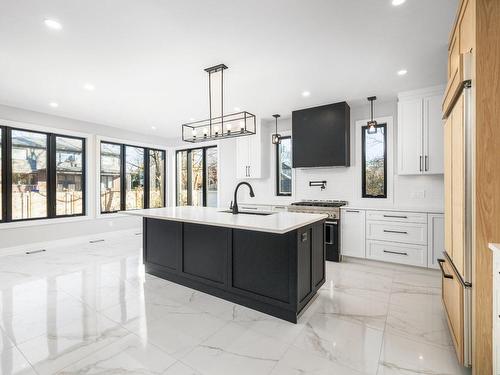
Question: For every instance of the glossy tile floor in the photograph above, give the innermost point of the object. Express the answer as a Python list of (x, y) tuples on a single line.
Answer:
[(90, 309)]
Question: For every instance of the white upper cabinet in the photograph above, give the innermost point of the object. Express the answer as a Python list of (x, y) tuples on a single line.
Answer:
[(249, 156), (420, 132)]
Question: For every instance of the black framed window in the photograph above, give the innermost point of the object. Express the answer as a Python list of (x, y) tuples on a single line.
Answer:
[(42, 175), (132, 177), (197, 177), (69, 175), (374, 162), (156, 178), (284, 167)]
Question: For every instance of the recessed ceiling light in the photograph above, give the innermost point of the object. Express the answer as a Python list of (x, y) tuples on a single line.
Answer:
[(305, 94), (237, 109), (402, 72), (52, 24), (397, 2), (153, 127), (54, 104), (89, 87)]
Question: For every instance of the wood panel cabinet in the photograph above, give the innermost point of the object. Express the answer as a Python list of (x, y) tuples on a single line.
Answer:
[(458, 186), (453, 300), (420, 132)]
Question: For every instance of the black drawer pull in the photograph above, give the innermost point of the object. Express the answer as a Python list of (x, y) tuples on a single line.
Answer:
[(395, 252), (357, 211), (445, 275), (397, 216), (394, 231)]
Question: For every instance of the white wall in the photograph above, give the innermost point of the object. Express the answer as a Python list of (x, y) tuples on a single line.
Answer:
[(18, 234), (342, 183)]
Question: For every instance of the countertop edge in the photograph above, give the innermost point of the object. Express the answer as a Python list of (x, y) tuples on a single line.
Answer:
[(495, 247), (234, 226)]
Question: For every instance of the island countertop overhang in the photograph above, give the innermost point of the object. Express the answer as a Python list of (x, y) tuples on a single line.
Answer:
[(277, 222)]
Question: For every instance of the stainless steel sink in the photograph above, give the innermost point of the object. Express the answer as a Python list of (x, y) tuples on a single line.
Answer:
[(260, 213)]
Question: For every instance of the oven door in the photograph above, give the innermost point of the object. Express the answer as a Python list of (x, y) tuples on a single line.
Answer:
[(332, 245)]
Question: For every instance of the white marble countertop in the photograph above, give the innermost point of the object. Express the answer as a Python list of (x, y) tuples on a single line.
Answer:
[(495, 247), (277, 222)]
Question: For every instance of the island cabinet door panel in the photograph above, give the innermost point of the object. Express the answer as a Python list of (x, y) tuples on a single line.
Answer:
[(261, 264), (304, 252), (163, 243), (205, 252), (318, 255)]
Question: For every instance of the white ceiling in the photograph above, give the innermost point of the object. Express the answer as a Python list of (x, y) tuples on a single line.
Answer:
[(146, 58)]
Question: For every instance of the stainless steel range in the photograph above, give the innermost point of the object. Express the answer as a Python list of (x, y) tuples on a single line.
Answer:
[(332, 224)]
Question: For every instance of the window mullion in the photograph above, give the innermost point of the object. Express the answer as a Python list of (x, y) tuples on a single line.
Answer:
[(8, 174), (204, 176), (51, 176), (123, 182), (146, 178)]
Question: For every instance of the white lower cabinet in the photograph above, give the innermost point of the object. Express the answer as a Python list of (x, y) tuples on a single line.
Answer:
[(415, 255), (412, 238), (435, 242), (397, 232), (496, 309), (352, 235)]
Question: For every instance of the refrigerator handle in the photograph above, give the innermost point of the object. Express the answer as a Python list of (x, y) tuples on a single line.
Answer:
[(445, 275)]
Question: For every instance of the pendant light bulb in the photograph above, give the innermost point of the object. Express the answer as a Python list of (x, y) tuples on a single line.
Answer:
[(276, 138), (372, 124)]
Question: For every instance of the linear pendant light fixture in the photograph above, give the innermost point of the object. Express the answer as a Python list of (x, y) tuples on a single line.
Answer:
[(372, 124), (218, 125), (276, 138)]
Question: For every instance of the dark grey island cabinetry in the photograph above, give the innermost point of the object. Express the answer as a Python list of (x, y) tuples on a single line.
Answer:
[(274, 272)]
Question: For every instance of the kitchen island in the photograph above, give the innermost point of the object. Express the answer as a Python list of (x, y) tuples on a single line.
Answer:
[(270, 262)]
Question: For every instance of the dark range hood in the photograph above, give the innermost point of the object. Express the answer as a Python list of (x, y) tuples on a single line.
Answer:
[(321, 136)]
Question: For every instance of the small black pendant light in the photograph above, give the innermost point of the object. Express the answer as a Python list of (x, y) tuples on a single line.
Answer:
[(372, 124), (276, 138)]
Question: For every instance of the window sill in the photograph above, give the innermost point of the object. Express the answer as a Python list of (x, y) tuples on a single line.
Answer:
[(34, 223)]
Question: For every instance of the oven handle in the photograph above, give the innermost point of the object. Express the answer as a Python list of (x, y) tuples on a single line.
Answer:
[(330, 225)]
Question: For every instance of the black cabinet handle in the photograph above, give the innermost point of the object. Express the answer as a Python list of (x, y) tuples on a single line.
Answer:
[(426, 163), (395, 252), (420, 163), (357, 211), (445, 275), (397, 216), (394, 231)]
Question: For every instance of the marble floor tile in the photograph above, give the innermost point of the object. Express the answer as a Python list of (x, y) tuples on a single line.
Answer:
[(92, 309), (300, 362), (128, 355), (403, 356), (50, 353), (179, 368), (350, 307), (216, 361), (427, 329), (349, 344)]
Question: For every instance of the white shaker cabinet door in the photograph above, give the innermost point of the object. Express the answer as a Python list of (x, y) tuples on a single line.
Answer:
[(433, 135), (410, 150), (352, 240)]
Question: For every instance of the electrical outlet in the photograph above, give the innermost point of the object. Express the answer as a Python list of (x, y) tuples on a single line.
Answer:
[(418, 194)]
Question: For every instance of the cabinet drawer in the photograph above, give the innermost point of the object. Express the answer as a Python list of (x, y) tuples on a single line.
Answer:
[(397, 232), (414, 255), (397, 216), (453, 300)]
